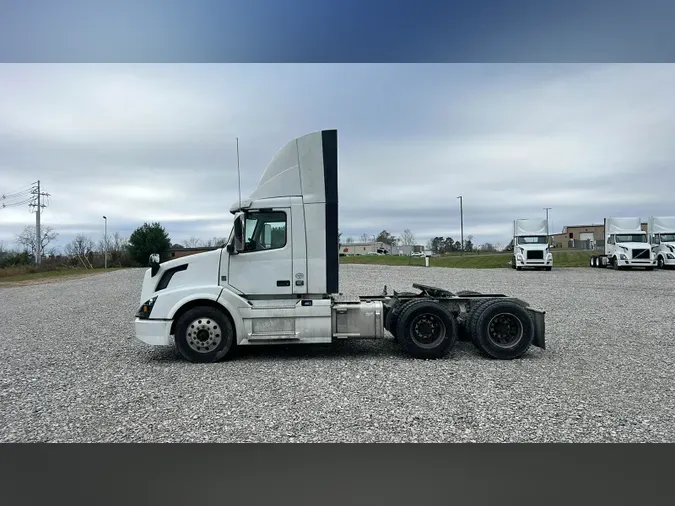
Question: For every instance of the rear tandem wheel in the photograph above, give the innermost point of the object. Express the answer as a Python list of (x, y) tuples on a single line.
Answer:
[(501, 329), (426, 329)]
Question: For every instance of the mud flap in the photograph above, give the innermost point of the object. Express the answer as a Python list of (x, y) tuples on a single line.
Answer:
[(539, 328)]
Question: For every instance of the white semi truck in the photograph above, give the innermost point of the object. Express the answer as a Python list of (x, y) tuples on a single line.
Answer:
[(276, 281), (626, 246), (530, 245), (661, 233)]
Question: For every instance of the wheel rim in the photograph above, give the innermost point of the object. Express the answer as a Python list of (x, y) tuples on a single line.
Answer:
[(203, 335), (660, 261), (505, 330), (427, 330)]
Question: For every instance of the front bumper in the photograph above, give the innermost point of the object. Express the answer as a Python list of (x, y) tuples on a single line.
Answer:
[(637, 263), (524, 262), (153, 332)]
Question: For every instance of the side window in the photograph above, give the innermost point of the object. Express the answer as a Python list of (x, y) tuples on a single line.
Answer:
[(265, 230)]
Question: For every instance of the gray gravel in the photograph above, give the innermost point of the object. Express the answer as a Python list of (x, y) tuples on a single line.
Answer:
[(71, 370)]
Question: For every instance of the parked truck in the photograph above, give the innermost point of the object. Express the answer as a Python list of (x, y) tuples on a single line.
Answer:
[(626, 246), (661, 234), (531, 245), (276, 281)]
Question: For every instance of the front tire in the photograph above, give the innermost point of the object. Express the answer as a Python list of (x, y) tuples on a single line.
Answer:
[(660, 263), (204, 335), (501, 329), (427, 329)]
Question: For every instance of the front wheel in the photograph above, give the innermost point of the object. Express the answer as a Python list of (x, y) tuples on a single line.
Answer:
[(204, 334), (661, 263), (427, 329)]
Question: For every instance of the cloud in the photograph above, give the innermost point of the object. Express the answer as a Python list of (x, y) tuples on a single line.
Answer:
[(157, 143)]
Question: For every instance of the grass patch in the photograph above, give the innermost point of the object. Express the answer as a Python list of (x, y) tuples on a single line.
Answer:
[(14, 274), (568, 258)]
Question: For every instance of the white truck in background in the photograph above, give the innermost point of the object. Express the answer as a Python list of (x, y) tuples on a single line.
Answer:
[(661, 234), (276, 281), (626, 246), (531, 245)]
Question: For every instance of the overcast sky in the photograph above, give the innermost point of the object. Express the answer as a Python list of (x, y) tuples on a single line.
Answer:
[(157, 143)]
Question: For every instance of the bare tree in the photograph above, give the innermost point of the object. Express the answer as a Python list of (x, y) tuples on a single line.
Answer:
[(192, 242), (365, 238), (116, 244), (81, 247), (349, 240), (28, 240), (407, 238), (215, 242)]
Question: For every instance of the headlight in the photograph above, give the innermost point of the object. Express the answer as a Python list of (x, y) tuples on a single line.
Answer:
[(670, 256), (623, 257), (146, 308), (519, 256)]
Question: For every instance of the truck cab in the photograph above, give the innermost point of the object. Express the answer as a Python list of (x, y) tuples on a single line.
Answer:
[(531, 245), (661, 233), (626, 246)]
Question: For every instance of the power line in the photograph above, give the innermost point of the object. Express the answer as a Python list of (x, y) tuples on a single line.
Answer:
[(37, 200)]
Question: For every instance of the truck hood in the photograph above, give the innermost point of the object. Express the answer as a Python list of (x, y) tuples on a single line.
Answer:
[(202, 269), (634, 245), (531, 247)]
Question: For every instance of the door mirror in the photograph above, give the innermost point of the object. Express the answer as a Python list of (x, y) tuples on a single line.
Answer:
[(154, 263), (237, 244)]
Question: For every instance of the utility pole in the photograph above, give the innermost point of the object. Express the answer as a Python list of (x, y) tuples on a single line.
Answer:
[(548, 229), (461, 221), (38, 207), (105, 243)]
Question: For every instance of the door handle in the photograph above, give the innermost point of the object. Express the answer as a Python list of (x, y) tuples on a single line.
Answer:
[(284, 282)]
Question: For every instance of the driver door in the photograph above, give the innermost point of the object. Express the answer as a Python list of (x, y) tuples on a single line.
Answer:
[(265, 267)]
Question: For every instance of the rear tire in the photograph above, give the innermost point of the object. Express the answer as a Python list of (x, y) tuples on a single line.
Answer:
[(462, 332), (593, 261), (391, 317), (204, 335), (427, 329), (501, 329)]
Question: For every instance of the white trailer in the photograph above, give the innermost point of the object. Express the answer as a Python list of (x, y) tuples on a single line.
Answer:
[(626, 246), (530, 245), (276, 281), (661, 233)]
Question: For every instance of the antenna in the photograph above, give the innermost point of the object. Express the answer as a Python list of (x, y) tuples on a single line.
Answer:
[(238, 173)]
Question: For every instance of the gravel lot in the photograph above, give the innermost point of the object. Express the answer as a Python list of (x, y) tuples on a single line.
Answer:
[(71, 370)]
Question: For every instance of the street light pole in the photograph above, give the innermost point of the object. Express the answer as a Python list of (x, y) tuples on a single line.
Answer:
[(105, 242), (548, 229), (461, 221)]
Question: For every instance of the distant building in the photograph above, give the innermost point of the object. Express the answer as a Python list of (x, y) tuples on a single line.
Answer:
[(582, 236), (364, 248), (407, 250)]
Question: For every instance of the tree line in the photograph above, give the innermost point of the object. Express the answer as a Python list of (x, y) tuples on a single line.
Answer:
[(134, 251), (438, 245), (84, 252)]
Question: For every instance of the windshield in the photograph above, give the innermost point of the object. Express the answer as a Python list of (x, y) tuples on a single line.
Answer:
[(532, 239), (667, 237), (630, 238)]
